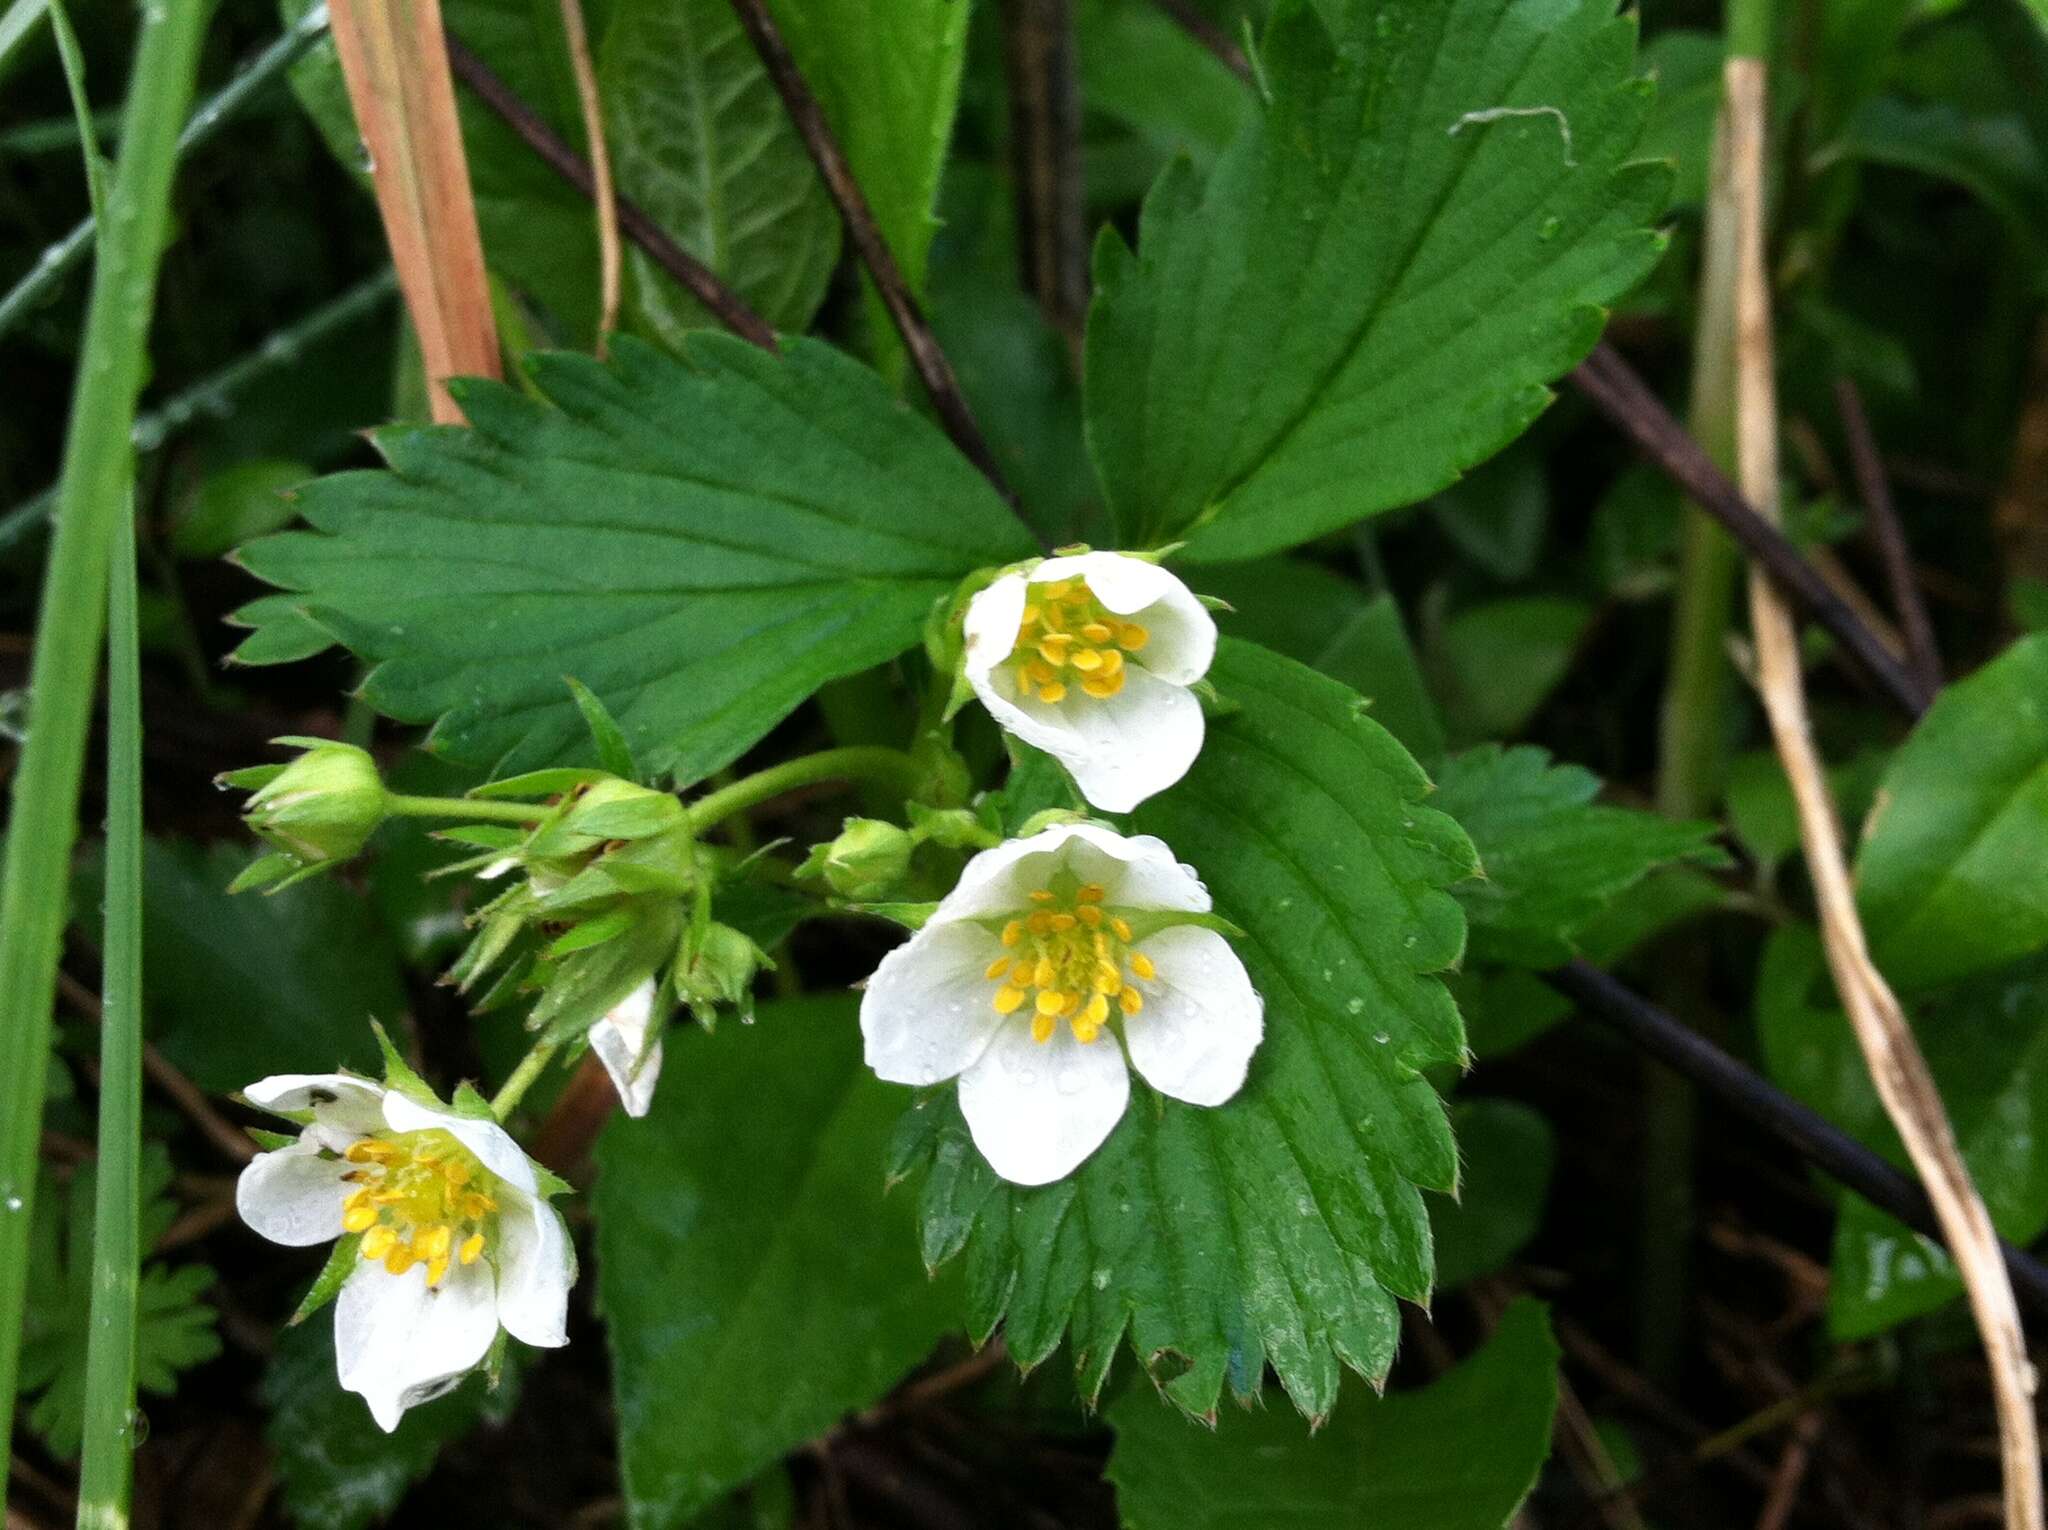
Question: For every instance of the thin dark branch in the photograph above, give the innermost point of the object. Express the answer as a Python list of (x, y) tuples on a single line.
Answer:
[(1889, 535), (1045, 155), (698, 279), (1832, 1151), (933, 369), (1615, 389), (1209, 35)]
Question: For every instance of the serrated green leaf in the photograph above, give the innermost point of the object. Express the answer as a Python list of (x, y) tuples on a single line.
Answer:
[(336, 1469), (702, 541), (1303, 610), (755, 1282), (174, 1329), (889, 94), (1279, 1228), (1949, 878), (1369, 294), (1986, 1040), (1495, 662), (700, 140), (1141, 68), (1459, 1454), (1551, 857)]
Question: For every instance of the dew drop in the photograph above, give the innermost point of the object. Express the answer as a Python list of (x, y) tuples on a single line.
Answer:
[(1550, 227), (1381, 1037), (1354, 1006), (1100, 1279)]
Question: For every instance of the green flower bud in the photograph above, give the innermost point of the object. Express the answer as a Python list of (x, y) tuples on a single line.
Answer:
[(321, 808), (866, 861), (720, 971)]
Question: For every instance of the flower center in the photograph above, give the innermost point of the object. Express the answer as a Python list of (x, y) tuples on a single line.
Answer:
[(1068, 639), (421, 1198), (1072, 959)]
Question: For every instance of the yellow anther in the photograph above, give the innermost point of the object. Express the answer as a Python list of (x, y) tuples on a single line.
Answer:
[(1059, 589), (1040, 923), (1131, 1000), (1089, 915), (1132, 637), (1122, 927), (1087, 660), (1042, 1028), (1053, 649), (437, 1270), (1107, 979), (378, 1242), (1112, 664), (1061, 923), (1050, 1001), (1013, 932), (435, 1242), (476, 1207), (1030, 615), (1086, 1033), (472, 1246), (1098, 632), (1042, 895), (997, 968), (456, 1171), (1092, 893), (1097, 1011), (1102, 687), (400, 1259), (1051, 694), (1142, 965), (1009, 1000), (369, 1150), (1040, 672), (359, 1219)]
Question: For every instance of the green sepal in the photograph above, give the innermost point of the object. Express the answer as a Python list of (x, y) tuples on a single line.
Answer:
[(398, 1073), (485, 836), (912, 916), (470, 1104), (271, 1142), (540, 783), (341, 1263), (1147, 922), (590, 933), (250, 778), (267, 869), (547, 1183), (613, 752)]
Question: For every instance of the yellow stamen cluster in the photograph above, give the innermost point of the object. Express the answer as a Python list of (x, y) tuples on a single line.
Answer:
[(421, 1198), (1072, 960), (1067, 639)]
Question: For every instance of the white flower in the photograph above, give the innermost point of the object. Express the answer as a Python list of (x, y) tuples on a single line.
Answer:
[(456, 1239), (620, 1042), (1090, 659), (1029, 983)]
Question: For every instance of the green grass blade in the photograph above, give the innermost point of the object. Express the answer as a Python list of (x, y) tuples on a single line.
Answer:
[(73, 60), (107, 1470), (94, 493), (16, 23)]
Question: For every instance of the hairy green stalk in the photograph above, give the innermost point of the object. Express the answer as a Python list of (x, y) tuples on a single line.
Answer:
[(890, 768), (107, 1471), (98, 461)]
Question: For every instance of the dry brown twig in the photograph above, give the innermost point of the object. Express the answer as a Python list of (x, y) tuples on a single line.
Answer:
[(395, 63), (602, 197), (1889, 1049)]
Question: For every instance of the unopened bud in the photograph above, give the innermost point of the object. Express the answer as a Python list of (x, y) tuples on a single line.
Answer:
[(322, 807), (720, 971), (866, 861)]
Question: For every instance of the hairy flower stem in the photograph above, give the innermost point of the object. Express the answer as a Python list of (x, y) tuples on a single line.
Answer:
[(531, 1066), (475, 810), (889, 768)]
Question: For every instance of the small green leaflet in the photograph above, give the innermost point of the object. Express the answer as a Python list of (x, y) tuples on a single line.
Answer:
[(889, 93), (1459, 1454), (1369, 294), (1279, 1228), (336, 1469), (1951, 878), (756, 1284), (1551, 858), (702, 143), (174, 1329), (703, 541), (1986, 1039)]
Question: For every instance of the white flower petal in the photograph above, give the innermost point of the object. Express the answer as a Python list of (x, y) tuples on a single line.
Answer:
[(1037, 1109), (491, 1143), (620, 1042), (536, 1268), (338, 1100), (400, 1342), (927, 1013), (293, 1196), (989, 630), (1136, 871), (1202, 1019), (1125, 748)]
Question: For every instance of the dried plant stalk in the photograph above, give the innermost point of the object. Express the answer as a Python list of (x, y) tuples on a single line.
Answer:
[(395, 60), (602, 196), (1889, 1049)]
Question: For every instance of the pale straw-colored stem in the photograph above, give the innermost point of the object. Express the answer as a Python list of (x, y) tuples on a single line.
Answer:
[(603, 198), (1889, 1049)]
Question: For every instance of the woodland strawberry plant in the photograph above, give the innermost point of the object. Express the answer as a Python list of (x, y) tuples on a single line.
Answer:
[(1001, 763)]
